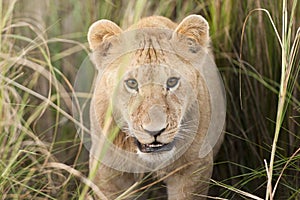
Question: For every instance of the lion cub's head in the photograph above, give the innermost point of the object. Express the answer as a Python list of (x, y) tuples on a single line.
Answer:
[(147, 79)]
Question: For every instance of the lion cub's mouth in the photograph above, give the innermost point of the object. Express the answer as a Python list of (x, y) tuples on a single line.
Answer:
[(154, 147)]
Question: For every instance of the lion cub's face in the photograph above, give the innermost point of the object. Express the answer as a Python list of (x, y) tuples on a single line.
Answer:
[(149, 103), (148, 78)]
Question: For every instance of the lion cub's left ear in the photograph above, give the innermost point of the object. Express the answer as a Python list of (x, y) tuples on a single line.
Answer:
[(194, 27), (101, 30)]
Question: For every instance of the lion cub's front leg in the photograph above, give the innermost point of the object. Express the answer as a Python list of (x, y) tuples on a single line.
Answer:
[(190, 183), (112, 183)]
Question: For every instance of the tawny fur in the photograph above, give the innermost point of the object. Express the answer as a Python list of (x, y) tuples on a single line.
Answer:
[(187, 177)]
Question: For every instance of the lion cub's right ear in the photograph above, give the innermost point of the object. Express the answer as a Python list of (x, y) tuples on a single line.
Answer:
[(101, 30)]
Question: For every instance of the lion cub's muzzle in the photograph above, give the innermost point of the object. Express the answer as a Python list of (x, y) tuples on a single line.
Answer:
[(154, 146), (154, 126)]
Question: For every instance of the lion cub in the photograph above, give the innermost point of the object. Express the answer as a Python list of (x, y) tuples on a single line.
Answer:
[(151, 107)]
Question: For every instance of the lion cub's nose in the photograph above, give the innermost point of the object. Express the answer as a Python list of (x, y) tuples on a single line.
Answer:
[(155, 133), (155, 122)]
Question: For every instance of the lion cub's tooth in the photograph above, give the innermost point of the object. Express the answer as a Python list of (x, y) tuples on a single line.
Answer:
[(155, 145)]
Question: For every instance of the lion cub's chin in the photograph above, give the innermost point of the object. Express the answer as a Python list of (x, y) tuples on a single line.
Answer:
[(156, 156)]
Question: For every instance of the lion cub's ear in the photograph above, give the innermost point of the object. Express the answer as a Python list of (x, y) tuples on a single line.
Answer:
[(194, 28), (101, 30)]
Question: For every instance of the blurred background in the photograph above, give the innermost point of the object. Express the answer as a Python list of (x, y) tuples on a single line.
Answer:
[(43, 43)]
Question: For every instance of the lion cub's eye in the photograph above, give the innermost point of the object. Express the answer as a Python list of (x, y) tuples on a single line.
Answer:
[(132, 84), (172, 82)]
